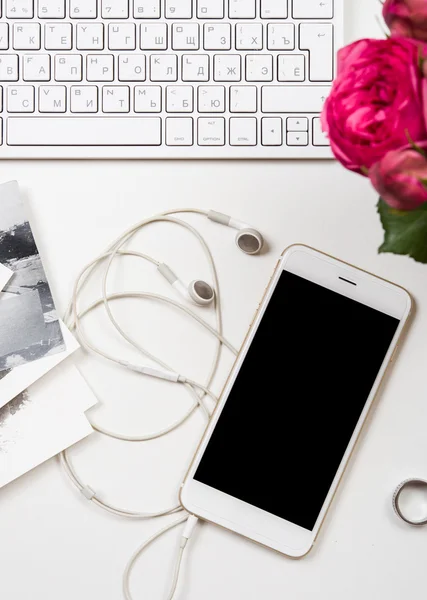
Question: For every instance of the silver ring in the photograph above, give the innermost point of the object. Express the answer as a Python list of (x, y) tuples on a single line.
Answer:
[(396, 497)]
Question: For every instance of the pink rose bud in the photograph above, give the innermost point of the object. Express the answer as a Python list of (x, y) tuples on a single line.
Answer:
[(398, 178), (407, 18), (379, 97)]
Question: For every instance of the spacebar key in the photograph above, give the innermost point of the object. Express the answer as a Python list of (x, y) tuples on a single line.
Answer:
[(83, 131)]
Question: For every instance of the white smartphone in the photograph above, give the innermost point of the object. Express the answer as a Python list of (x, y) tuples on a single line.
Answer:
[(296, 400)]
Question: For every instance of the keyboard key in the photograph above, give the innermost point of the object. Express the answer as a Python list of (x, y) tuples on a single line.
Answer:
[(116, 99), (318, 39), (52, 99), (259, 67), (210, 9), (178, 9), (271, 131), (243, 131), (146, 9), (115, 9), (8, 67), (293, 99), (20, 99), (242, 9), (100, 67), (291, 67), (4, 36), (211, 99), (90, 36), (154, 36), (227, 67), (179, 131), (281, 36), (312, 9), (51, 9), (84, 99), (19, 9), (121, 36), (274, 9), (36, 67), (179, 98), (148, 98), (68, 67), (297, 124), (132, 67), (58, 36), (243, 99), (26, 36), (195, 67), (84, 131), (297, 138), (185, 36), (217, 36), (319, 138), (249, 36), (83, 9), (211, 131), (163, 67)]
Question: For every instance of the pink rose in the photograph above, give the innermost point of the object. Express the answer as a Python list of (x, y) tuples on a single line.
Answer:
[(397, 178), (407, 18), (376, 100)]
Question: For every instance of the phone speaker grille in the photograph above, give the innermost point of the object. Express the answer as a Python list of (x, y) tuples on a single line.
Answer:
[(348, 281)]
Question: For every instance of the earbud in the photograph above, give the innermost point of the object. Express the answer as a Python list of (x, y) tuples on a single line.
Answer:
[(201, 292), (248, 239), (198, 291)]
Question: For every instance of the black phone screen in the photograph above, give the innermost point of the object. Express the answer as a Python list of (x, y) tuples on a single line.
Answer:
[(296, 400)]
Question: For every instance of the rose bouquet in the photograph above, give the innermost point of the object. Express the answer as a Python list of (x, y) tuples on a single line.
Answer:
[(376, 120)]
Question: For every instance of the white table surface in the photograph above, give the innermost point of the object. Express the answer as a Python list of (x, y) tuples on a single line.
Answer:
[(53, 544)]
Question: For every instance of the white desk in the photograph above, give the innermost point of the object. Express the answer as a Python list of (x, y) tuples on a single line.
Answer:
[(56, 546)]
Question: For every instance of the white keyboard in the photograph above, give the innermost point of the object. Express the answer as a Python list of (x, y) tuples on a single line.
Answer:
[(166, 78)]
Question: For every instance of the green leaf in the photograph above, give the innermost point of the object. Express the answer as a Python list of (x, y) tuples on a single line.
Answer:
[(405, 232), (415, 146), (420, 58)]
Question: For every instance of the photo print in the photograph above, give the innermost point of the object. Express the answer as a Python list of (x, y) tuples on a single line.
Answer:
[(7, 412), (29, 325), (16, 380), (43, 420)]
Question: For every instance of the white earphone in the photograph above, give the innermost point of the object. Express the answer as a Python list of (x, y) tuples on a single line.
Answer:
[(198, 291), (201, 293), (249, 240)]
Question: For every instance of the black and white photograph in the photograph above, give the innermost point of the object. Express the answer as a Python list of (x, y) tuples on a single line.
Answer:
[(29, 325), (42, 420), (14, 381)]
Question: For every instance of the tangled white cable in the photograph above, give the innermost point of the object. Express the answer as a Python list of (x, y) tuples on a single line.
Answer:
[(198, 292)]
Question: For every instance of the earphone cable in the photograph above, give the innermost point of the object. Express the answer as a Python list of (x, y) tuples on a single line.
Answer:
[(191, 522), (191, 385), (198, 391), (131, 229)]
